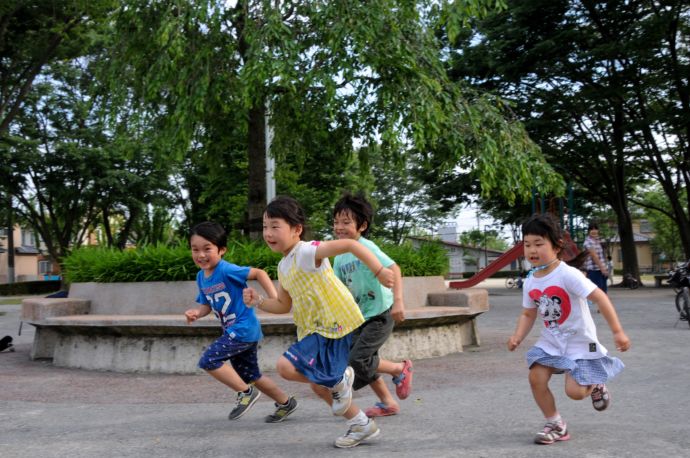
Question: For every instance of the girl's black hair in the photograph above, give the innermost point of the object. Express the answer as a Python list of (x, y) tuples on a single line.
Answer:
[(213, 232), (288, 209), (359, 207), (547, 226)]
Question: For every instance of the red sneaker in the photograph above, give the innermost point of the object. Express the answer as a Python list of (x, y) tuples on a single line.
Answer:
[(381, 410), (403, 382)]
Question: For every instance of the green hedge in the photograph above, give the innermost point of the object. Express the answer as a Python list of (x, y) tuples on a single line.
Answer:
[(164, 263), (30, 288)]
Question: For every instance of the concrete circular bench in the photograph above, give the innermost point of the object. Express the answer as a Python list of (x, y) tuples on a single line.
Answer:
[(140, 327)]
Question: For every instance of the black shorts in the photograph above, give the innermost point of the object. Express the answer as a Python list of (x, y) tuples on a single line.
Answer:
[(366, 342)]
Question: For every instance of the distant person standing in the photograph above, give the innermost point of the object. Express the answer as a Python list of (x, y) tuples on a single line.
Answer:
[(595, 264), (609, 267)]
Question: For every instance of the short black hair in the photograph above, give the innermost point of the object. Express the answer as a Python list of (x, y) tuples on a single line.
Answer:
[(359, 207), (592, 225), (545, 225), (288, 209), (213, 232)]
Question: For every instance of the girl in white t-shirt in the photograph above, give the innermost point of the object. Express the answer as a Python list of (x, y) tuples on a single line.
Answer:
[(558, 293)]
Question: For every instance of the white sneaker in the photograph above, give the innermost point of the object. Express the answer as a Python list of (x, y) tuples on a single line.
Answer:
[(342, 392), (358, 433)]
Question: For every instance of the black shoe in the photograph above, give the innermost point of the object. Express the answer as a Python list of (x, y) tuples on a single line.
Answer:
[(282, 411), (245, 401)]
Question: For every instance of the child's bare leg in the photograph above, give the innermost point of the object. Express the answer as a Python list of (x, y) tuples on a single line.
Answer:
[(383, 393), (289, 372), (389, 367), (267, 386), (539, 377), (322, 392), (576, 391), (226, 375), (351, 411)]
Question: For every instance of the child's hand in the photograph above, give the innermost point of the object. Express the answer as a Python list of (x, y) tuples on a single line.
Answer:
[(386, 277), (513, 343), (191, 315), (398, 312), (250, 296), (621, 340)]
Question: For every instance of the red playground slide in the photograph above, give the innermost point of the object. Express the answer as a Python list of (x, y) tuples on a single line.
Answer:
[(493, 267), (570, 252)]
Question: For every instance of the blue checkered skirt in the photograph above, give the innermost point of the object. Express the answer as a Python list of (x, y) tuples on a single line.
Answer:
[(584, 371)]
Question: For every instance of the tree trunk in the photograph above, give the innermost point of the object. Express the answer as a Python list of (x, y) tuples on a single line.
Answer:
[(257, 171), (619, 200)]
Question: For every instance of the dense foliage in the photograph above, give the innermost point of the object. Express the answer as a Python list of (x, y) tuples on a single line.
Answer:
[(165, 263)]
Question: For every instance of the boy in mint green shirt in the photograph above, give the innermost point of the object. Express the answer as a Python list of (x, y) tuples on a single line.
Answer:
[(380, 306)]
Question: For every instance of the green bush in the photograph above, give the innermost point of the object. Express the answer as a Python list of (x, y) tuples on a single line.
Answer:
[(165, 263), (430, 259)]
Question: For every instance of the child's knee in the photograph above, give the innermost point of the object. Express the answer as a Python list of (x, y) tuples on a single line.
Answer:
[(538, 380), (285, 368), (577, 393)]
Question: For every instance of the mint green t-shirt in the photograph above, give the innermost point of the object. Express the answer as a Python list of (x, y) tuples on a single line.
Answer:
[(372, 297)]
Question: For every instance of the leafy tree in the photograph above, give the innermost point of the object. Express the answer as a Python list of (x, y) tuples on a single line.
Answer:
[(318, 70), (598, 86), (477, 238), (403, 203), (667, 240), (34, 33), (67, 173)]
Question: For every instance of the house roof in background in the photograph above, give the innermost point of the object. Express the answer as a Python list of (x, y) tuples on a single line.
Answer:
[(455, 245), (26, 250)]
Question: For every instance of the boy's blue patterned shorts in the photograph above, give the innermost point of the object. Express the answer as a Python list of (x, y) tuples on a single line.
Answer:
[(242, 357), (322, 360), (584, 371)]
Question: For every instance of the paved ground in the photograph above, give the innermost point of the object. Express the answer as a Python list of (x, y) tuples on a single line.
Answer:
[(474, 404)]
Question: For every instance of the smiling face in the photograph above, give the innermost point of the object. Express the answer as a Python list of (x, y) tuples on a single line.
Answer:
[(206, 255), (345, 226), (279, 235), (539, 250)]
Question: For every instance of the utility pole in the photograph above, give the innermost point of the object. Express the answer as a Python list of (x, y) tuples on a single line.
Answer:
[(270, 160)]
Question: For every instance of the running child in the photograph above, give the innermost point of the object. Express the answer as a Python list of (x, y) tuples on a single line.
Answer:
[(558, 293), (220, 290), (324, 311), (381, 307)]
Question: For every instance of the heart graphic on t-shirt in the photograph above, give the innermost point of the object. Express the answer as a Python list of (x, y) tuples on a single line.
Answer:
[(553, 303)]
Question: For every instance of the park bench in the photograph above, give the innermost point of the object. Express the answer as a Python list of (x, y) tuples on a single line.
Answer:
[(658, 279), (140, 327)]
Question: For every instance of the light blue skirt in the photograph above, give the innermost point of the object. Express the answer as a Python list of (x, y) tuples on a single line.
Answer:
[(583, 371)]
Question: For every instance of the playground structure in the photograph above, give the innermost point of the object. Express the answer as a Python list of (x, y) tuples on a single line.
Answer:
[(571, 254)]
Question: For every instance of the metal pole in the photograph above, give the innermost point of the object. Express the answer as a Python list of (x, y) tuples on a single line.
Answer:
[(270, 160)]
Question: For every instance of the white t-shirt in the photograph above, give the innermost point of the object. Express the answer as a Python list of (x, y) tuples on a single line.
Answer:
[(561, 299)]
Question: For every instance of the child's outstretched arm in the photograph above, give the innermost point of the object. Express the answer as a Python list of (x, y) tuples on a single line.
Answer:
[(282, 303), (264, 280), (335, 247), (398, 308), (524, 324), (199, 312), (609, 312)]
